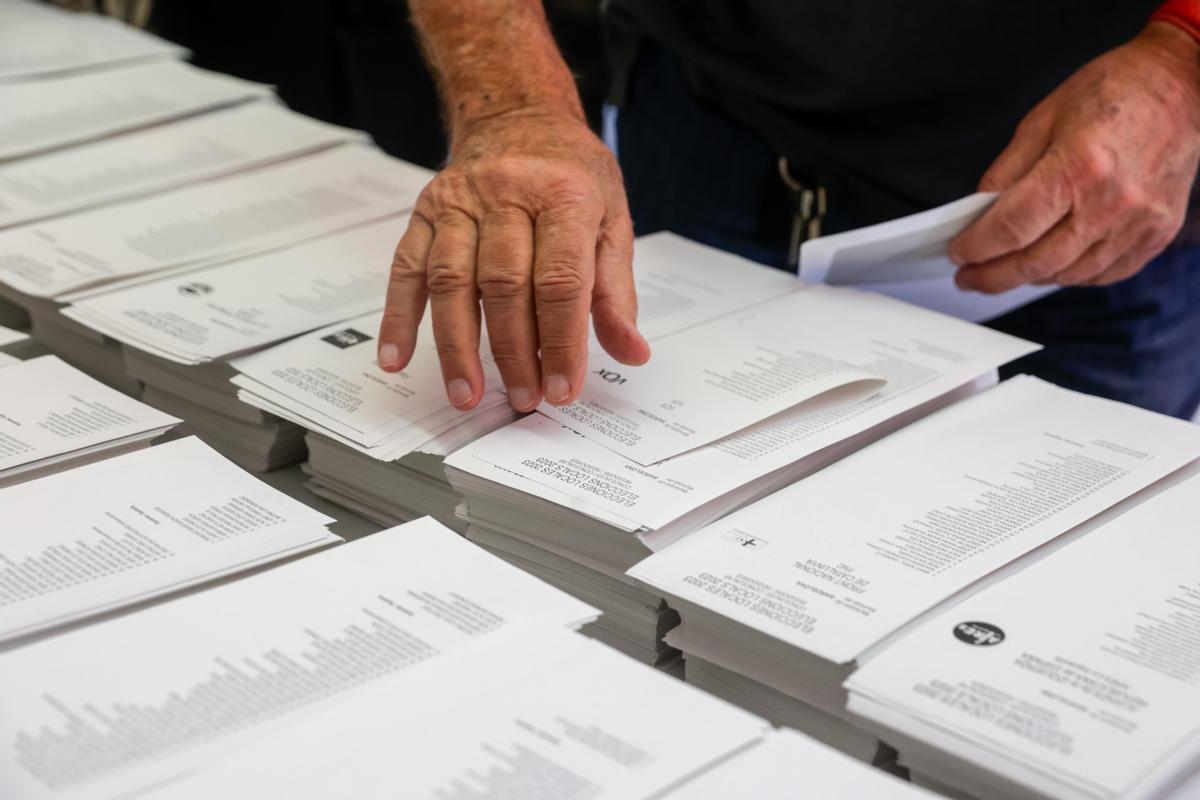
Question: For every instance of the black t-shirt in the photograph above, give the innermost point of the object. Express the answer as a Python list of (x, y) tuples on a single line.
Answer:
[(896, 105)]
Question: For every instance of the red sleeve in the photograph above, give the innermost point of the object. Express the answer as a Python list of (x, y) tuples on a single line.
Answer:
[(1181, 13)]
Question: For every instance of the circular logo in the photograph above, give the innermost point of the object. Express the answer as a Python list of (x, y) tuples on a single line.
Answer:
[(979, 634), (195, 289)]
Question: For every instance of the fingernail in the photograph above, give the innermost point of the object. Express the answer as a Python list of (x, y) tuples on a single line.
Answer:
[(520, 399), (389, 356), (956, 259), (558, 389), (459, 392)]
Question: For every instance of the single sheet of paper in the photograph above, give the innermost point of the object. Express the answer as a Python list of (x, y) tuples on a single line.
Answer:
[(837, 561), (1087, 654), (50, 411), (204, 675), (923, 356), (43, 115), (548, 713), (159, 158), (721, 377), (135, 526), (906, 258), (37, 39), (238, 215), (237, 307)]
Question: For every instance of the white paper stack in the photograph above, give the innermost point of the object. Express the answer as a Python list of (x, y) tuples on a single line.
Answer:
[(547, 714), (213, 221), (44, 115), (186, 229), (1074, 678), (163, 157), (123, 705), (54, 417), (179, 330), (138, 526), (37, 40), (13, 345), (782, 600), (565, 503), (377, 440)]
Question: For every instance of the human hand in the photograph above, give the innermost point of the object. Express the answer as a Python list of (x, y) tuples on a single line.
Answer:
[(530, 219), (1095, 182)]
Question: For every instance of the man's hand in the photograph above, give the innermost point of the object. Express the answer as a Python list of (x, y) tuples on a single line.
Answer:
[(1095, 182), (530, 218)]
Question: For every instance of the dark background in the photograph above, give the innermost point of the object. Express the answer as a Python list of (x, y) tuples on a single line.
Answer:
[(356, 62)]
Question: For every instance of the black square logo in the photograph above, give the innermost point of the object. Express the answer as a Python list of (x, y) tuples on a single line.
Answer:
[(346, 337)]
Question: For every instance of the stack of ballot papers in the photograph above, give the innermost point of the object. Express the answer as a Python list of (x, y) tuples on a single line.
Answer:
[(13, 345), (214, 221), (577, 495), (1077, 677), (782, 600), (54, 417), (128, 703), (377, 440), (186, 229), (37, 40), (546, 714), (48, 114), (190, 150), (110, 534), (785, 765), (179, 330)]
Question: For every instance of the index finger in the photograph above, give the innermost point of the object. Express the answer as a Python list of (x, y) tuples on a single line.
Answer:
[(406, 295), (563, 277), (1018, 218)]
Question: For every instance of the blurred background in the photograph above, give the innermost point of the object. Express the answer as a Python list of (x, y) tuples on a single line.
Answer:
[(350, 62)]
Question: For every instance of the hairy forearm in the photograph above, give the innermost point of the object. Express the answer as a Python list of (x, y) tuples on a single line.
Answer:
[(493, 57)]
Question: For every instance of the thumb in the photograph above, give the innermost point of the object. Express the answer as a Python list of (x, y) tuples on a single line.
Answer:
[(1028, 145), (614, 299)]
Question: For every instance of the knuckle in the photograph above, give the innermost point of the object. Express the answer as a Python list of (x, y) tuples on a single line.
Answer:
[(1010, 228), (451, 349), (445, 278), (559, 283), (501, 284), (557, 346), (1094, 165), (406, 267)]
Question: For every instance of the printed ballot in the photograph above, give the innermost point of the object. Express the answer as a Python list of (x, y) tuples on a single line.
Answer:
[(1074, 678), (579, 514), (906, 258), (329, 381), (234, 308), (552, 715), (239, 215), (38, 40), (54, 417), (784, 763), (205, 675), (137, 526), (922, 355), (43, 115), (722, 376), (164, 157), (796, 588)]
